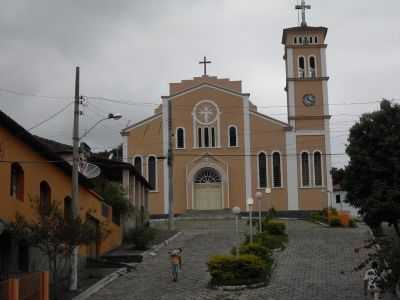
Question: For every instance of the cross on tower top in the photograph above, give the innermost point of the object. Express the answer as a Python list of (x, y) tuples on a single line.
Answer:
[(303, 8), (205, 62)]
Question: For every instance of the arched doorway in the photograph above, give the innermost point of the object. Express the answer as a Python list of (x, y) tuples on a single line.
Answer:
[(207, 190)]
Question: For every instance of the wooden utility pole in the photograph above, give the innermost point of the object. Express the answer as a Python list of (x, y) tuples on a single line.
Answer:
[(75, 180)]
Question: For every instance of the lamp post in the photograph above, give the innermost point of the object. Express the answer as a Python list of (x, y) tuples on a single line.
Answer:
[(259, 198), (268, 192), (236, 212), (250, 203), (75, 176)]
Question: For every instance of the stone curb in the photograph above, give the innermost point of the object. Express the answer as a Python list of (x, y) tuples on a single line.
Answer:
[(233, 288), (100, 284), (120, 272)]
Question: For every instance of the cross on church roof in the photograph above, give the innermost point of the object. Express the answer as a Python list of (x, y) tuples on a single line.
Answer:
[(205, 62), (303, 8)]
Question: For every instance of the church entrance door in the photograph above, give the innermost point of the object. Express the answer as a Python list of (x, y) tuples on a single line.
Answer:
[(207, 190)]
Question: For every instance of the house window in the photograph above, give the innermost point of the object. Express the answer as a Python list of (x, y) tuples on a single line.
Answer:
[(302, 65), (295, 40), (45, 196), (180, 138), (17, 182), (312, 67), (68, 209), (152, 166), (311, 39), (317, 169), (137, 163), (262, 170), (233, 142), (316, 39), (338, 200), (305, 169), (276, 169)]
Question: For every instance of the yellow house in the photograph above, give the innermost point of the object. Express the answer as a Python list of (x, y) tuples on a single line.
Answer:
[(29, 169), (225, 151)]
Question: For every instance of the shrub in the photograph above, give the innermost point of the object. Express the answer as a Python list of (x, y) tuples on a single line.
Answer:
[(335, 222), (269, 241), (254, 249), (333, 211), (275, 228), (316, 216), (352, 223), (141, 237), (229, 270)]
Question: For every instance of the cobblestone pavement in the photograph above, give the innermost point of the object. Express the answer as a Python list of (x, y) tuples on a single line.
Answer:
[(316, 265)]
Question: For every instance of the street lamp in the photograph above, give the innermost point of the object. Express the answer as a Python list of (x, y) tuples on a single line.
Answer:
[(268, 191), (259, 197), (75, 176), (250, 202), (236, 212)]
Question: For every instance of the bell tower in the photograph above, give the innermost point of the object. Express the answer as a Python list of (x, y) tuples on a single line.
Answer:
[(308, 108)]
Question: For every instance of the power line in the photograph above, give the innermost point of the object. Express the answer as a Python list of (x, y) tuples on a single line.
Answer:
[(24, 94), (50, 117)]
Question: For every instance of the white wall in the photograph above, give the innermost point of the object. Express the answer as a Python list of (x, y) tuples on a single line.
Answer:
[(343, 205)]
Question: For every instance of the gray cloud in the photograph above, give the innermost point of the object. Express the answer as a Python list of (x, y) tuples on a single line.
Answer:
[(131, 50)]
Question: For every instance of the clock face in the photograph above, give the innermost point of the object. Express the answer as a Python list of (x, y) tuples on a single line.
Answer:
[(309, 100), (206, 113)]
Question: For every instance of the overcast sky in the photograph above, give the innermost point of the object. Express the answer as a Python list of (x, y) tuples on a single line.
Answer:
[(131, 50)]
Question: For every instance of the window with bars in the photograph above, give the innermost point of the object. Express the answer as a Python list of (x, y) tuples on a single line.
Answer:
[(305, 169), (180, 138), (276, 168), (152, 166), (262, 170), (317, 169)]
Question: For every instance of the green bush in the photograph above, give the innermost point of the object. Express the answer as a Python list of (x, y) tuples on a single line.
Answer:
[(275, 228), (316, 216), (352, 223), (335, 222), (269, 241), (142, 237), (229, 270), (254, 249)]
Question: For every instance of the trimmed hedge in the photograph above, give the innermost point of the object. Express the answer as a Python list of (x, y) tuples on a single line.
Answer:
[(275, 228), (229, 270), (270, 241), (254, 249)]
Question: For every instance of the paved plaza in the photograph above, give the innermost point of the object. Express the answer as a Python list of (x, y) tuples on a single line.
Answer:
[(317, 264)]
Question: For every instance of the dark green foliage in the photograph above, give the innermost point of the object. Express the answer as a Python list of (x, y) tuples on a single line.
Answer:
[(372, 178), (275, 228), (316, 217), (141, 237), (352, 223), (270, 241), (335, 222), (229, 270), (114, 195), (337, 175), (254, 249)]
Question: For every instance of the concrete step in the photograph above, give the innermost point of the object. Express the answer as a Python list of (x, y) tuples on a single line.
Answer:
[(220, 214)]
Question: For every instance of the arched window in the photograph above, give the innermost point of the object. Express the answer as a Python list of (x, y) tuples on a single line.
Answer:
[(317, 169), (17, 182), (45, 195), (311, 39), (316, 39), (302, 65), (68, 209), (276, 169), (180, 138), (207, 176), (300, 40), (262, 170), (152, 172), (295, 40), (312, 67), (233, 139), (305, 169), (137, 163)]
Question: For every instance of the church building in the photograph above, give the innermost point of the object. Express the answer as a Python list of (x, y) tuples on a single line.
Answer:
[(210, 145)]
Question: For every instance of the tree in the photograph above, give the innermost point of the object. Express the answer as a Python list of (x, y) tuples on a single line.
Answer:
[(372, 177), (337, 175), (53, 235)]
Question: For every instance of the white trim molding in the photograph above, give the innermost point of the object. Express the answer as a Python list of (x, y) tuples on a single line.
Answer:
[(247, 147), (292, 171)]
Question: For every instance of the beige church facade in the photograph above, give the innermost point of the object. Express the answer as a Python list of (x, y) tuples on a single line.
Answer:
[(224, 151)]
